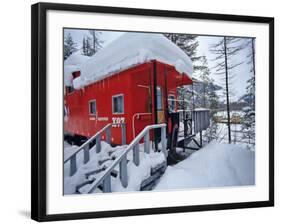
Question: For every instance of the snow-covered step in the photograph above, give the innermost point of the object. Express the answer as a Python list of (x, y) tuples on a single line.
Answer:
[(155, 173), (91, 173), (105, 160), (121, 168), (83, 187)]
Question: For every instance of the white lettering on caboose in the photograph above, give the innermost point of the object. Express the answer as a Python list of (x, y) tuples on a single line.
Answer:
[(117, 121)]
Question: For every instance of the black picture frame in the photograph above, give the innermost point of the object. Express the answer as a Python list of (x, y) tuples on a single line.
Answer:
[(39, 114)]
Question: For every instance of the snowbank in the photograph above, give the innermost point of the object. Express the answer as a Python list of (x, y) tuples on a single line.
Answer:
[(72, 64), (215, 165), (129, 50)]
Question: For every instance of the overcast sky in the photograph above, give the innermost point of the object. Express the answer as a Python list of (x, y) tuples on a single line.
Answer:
[(240, 74)]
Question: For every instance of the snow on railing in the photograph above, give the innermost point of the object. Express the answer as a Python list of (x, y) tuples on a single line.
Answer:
[(105, 179), (86, 146)]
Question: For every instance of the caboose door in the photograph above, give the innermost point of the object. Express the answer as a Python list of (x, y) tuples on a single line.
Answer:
[(158, 108)]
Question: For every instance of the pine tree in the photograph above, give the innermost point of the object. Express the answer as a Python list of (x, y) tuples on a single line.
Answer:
[(248, 124), (250, 44), (84, 50), (96, 44), (188, 43), (69, 46), (224, 50), (204, 75), (88, 47), (212, 102), (208, 98)]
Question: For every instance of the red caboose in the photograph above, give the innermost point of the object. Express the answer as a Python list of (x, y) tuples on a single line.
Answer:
[(133, 80)]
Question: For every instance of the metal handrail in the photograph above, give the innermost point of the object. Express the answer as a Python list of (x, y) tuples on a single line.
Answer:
[(122, 159), (88, 142), (86, 147)]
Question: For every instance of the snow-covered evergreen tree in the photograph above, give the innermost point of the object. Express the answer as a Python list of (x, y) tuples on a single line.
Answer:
[(84, 50), (248, 123), (69, 46), (86, 46), (188, 43), (204, 76), (248, 126), (209, 99), (250, 45)]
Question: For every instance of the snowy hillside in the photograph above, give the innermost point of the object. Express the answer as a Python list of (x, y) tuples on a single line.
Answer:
[(215, 165)]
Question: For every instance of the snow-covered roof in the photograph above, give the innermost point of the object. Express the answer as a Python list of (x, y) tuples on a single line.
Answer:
[(72, 64), (129, 50)]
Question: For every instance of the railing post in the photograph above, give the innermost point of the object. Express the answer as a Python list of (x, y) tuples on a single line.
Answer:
[(98, 143), (146, 143), (163, 140), (207, 120), (106, 187), (73, 165), (200, 119), (123, 126), (108, 135), (195, 122), (123, 172), (201, 141), (136, 154), (86, 153)]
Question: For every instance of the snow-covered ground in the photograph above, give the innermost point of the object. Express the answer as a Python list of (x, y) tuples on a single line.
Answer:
[(236, 136), (215, 165)]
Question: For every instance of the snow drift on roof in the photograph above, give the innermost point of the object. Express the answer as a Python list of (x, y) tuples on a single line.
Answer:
[(129, 50), (72, 64)]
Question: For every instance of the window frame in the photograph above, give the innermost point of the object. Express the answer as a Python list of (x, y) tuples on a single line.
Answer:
[(115, 96), (90, 107), (161, 101)]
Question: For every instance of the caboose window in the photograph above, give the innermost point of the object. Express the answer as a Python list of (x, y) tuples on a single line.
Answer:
[(172, 102), (118, 104), (93, 107), (159, 98)]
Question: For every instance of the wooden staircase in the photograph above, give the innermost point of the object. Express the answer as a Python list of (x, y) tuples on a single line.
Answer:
[(115, 165)]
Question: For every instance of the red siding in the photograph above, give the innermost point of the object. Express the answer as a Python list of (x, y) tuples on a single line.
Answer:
[(136, 85)]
